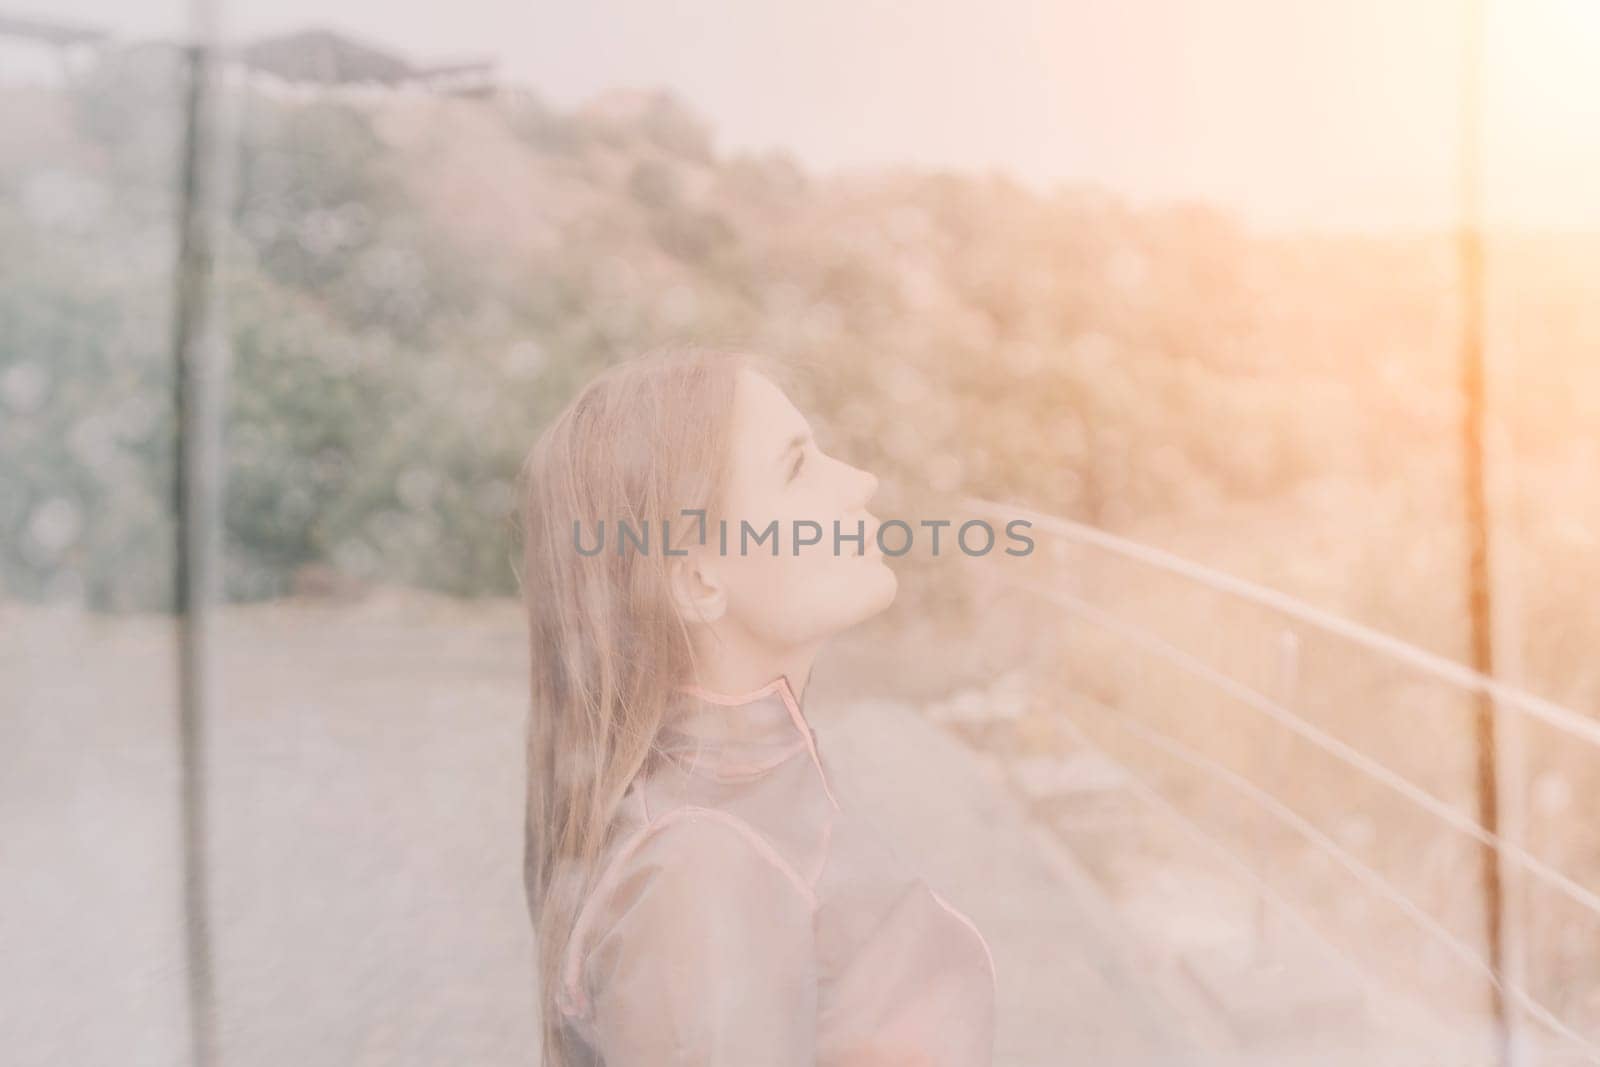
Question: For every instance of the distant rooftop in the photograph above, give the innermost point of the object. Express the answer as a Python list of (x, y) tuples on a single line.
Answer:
[(313, 55), (331, 58), (49, 31)]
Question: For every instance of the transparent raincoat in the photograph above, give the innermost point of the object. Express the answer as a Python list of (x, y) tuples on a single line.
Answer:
[(743, 917)]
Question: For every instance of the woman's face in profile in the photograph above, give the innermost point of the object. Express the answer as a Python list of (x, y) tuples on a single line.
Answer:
[(778, 473)]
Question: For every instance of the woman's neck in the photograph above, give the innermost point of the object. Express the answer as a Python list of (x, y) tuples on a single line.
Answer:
[(735, 666)]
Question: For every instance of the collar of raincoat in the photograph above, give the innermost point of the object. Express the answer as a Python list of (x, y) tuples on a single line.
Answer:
[(736, 733)]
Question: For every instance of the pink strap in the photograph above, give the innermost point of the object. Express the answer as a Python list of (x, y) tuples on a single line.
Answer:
[(994, 973)]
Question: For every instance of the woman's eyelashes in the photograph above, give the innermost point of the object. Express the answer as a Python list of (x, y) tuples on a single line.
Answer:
[(799, 461)]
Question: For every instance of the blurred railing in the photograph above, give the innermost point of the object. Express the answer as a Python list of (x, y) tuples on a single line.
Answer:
[(1507, 698)]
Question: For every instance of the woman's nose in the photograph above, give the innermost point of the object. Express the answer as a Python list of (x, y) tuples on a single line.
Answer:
[(857, 486)]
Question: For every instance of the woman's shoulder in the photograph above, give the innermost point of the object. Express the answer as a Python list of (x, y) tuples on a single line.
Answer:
[(785, 809), (687, 871), (700, 843)]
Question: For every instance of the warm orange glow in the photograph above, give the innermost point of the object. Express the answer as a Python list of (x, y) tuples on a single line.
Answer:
[(1542, 111)]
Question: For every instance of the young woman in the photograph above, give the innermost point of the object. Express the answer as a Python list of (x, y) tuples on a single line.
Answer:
[(698, 893)]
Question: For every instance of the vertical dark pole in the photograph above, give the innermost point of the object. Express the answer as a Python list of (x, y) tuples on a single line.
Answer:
[(1470, 249), (195, 496)]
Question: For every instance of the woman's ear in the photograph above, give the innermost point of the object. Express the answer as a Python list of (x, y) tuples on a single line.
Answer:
[(697, 591)]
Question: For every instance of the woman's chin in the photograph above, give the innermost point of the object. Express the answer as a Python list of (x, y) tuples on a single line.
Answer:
[(882, 583), (865, 591)]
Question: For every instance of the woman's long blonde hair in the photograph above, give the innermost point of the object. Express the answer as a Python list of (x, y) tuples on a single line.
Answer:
[(643, 440)]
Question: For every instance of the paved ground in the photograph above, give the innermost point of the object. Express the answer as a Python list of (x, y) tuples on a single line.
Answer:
[(367, 894)]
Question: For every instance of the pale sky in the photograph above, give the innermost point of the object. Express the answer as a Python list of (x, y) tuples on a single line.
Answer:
[(1294, 113)]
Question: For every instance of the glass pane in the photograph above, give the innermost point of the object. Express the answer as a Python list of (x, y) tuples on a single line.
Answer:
[(1190, 290), (91, 126)]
